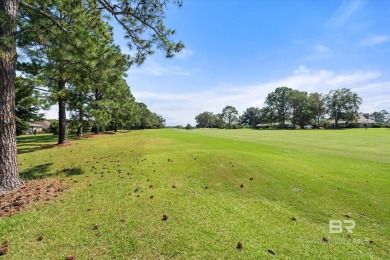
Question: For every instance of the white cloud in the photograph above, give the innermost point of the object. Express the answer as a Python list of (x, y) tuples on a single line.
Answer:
[(344, 12), (181, 108), (321, 48), (302, 70), (319, 51), (375, 39)]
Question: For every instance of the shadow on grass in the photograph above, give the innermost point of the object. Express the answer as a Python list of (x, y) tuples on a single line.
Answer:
[(71, 171), (43, 171), (36, 172), (32, 143)]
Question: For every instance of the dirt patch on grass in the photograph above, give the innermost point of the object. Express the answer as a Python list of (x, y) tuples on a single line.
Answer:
[(30, 193), (93, 135), (47, 146)]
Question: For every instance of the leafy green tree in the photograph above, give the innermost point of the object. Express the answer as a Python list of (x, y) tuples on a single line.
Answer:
[(159, 121), (301, 112), (132, 118), (380, 116), (317, 106), (342, 104), (230, 116), (205, 120), (278, 103), (219, 121), (251, 117), (149, 119)]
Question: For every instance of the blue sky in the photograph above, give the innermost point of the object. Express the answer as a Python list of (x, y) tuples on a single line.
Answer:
[(238, 51)]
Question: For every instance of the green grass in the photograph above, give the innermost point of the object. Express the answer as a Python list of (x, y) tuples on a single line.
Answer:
[(312, 175)]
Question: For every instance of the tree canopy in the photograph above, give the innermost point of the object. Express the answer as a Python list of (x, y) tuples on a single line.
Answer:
[(230, 116), (289, 108), (342, 104)]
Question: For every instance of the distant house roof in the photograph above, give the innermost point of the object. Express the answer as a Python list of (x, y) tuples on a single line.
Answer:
[(332, 121), (361, 119), (365, 119), (44, 124), (35, 126)]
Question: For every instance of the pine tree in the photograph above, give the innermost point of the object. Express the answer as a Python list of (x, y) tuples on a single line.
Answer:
[(55, 31)]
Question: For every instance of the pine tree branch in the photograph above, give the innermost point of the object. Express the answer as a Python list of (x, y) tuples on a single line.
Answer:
[(126, 11), (53, 19)]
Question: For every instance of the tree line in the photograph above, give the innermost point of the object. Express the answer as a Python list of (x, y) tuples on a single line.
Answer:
[(80, 70), (286, 107), (111, 112), (68, 57)]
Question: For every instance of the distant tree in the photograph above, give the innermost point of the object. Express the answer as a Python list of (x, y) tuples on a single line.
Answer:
[(267, 116), (251, 117), (205, 120), (317, 106), (149, 119), (158, 121), (230, 115), (380, 116), (278, 103), (27, 104), (132, 118), (301, 112), (219, 121), (188, 127), (342, 104)]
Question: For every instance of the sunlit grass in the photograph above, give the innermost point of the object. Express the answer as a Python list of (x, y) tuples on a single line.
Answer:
[(195, 178)]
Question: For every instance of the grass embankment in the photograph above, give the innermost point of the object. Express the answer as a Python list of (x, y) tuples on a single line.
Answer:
[(126, 182)]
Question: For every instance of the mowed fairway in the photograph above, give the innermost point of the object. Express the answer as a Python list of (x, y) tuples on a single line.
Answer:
[(201, 179)]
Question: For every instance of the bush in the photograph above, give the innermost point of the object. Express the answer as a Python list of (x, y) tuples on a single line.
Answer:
[(188, 127)]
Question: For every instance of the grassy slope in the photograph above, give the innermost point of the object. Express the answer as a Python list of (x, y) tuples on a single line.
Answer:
[(314, 176)]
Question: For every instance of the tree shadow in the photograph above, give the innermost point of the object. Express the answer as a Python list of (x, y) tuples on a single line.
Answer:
[(43, 171), (32, 143), (71, 171), (36, 172)]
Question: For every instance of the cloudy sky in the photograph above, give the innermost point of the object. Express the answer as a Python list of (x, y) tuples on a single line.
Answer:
[(238, 51)]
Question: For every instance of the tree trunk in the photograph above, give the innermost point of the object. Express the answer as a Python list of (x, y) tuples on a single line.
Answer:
[(61, 114), (9, 174), (115, 127), (81, 122)]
